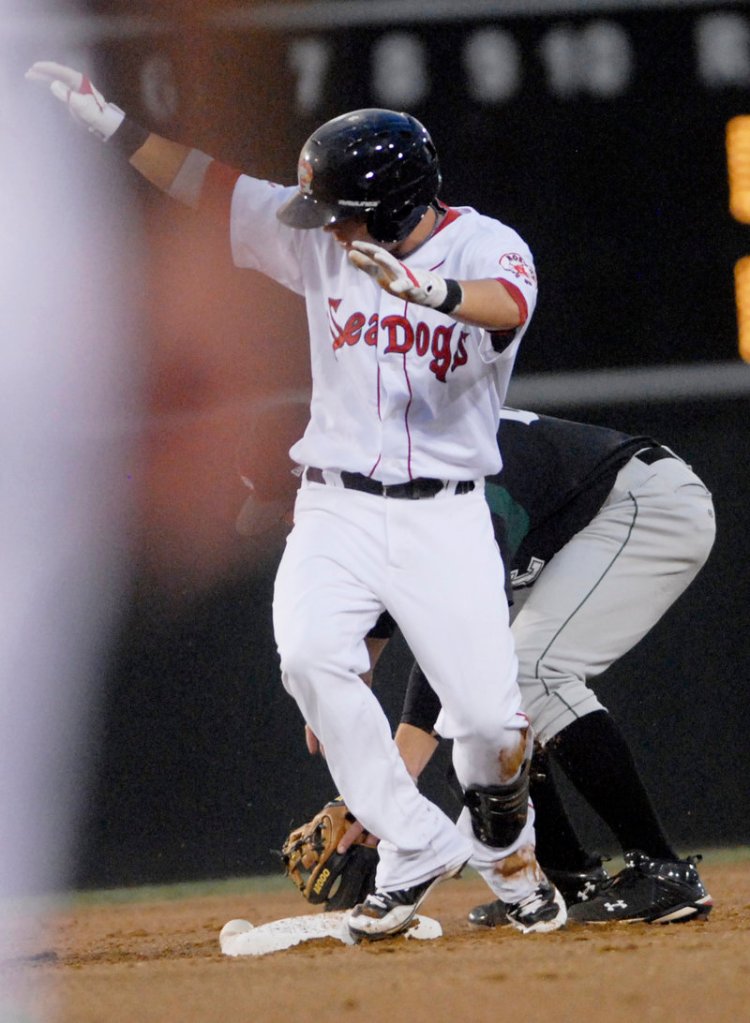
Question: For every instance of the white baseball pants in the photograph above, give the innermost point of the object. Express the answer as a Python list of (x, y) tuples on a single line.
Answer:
[(433, 563)]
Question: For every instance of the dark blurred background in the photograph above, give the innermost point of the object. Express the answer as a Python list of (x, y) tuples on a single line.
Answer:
[(598, 131)]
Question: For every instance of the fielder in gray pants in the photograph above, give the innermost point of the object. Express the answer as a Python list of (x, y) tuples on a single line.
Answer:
[(604, 532)]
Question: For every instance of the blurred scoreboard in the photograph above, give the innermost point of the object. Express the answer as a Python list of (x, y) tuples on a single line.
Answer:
[(597, 130)]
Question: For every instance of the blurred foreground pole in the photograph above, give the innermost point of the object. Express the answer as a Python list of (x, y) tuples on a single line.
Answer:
[(66, 411)]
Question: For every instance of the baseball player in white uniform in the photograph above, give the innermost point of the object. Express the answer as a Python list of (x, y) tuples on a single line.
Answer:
[(415, 315)]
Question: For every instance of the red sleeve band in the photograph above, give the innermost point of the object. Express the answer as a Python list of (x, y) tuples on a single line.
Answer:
[(517, 295), (218, 187)]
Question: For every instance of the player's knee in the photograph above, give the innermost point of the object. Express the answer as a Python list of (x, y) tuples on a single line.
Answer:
[(299, 652), (548, 685), (479, 723), (307, 655), (550, 709), (535, 700)]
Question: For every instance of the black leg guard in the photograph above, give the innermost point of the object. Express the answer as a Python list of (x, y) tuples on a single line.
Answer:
[(499, 812)]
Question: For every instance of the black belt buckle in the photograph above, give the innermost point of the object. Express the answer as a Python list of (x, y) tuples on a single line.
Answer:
[(356, 481)]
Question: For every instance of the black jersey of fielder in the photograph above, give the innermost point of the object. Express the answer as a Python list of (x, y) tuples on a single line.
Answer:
[(556, 475)]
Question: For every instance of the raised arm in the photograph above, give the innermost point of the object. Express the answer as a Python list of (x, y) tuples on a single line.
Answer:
[(172, 167)]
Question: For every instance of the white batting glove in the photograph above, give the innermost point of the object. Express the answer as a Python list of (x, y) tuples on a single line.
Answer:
[(86, 104), (420, 286)]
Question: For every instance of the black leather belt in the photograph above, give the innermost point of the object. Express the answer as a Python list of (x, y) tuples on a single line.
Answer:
[(651, 455), (412, 491)]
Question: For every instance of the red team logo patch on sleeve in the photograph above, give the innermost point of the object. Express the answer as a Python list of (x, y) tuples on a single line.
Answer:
[(515, 263)]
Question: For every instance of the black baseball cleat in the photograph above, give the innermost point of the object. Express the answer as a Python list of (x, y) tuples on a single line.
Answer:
[(543, 910), (648, 891), (574, 886), (386, 914), (579, 886), (490, 914)]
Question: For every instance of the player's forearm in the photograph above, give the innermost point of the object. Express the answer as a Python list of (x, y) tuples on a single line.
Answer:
[(416, 747), (187, 175), (491, 303), (488, 304), (175, 168), (158, 160)]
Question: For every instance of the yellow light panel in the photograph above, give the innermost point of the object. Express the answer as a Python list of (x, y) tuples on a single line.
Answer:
[(738, 166), (742, 295)]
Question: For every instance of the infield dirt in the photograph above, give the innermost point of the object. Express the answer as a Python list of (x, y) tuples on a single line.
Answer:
[(159, 962)]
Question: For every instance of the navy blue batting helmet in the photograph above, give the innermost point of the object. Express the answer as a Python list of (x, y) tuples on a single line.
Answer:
[(378, 165)]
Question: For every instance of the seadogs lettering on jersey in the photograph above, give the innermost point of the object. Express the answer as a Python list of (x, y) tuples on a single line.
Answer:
[(401, 336)]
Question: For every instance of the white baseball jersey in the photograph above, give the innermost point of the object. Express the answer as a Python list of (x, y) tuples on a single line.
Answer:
[(399, 390)]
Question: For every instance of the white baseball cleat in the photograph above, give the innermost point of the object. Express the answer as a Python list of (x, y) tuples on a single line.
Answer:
[(385, 914)]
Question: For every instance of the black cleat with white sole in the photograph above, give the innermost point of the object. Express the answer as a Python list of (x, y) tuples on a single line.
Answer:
[(386, 914), (574, 886), (543, 910), (648, 891)]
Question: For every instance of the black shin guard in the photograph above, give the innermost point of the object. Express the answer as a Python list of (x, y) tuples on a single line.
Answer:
[(499, 812)]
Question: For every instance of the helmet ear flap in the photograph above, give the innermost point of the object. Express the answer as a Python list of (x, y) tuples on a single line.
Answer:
[(397, 215), (390, 225)]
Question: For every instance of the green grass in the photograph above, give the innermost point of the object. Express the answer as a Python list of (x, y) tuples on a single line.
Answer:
[(277, 882), (145, 893), (183, 890), (266, 883), (733, 854)]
